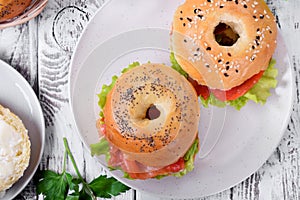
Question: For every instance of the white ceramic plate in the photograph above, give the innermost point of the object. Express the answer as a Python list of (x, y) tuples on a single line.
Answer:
[(234, 143), (17, 95)]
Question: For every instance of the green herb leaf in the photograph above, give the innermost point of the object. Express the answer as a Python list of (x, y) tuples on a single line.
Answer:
[(74, 185), (85, 194), (54, 186), (107, 187), (73, 197)]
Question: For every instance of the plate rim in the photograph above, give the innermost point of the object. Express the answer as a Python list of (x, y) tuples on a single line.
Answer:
[(18, 76), (75, 53)]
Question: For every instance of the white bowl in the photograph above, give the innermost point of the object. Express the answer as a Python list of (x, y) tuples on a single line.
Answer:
[(17, 95)]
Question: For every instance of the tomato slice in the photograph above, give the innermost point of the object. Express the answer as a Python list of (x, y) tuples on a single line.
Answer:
[(101, 127), (175, 167), (227, 95), (200, 89), (118, 160)]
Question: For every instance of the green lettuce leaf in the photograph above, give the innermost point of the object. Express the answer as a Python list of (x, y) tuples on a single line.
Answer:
[(189, 159), (176, 66), (130, 66), (107, 88), (212, 100), (261, 90), (104, 92), (101, 148), (258, 93), (239, 102)]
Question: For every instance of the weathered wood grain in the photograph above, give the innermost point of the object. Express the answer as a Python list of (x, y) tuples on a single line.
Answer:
[(59, 29), (41, 51), (18, 48)]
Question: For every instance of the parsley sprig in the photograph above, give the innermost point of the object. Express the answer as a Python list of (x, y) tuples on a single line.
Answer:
[(62, 186)]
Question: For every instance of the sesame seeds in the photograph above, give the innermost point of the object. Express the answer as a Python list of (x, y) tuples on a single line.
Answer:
[(200, 16), (208, 58), (197, 11)]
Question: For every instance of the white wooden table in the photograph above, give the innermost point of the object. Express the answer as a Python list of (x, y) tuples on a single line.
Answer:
[(41, 51)]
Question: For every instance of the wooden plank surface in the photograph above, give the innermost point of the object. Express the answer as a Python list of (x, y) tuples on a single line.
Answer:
[(59, 30), (41, 51)]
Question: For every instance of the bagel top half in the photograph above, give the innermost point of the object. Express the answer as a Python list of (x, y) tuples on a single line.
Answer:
[(159, 141), (204, 55)]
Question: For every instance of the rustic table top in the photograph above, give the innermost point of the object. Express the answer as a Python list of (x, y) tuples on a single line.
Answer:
[(41, 51)]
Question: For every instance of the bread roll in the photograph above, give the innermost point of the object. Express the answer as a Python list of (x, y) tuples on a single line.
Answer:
[(14, 148)]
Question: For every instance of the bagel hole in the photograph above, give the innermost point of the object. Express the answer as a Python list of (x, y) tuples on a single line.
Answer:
[(225, 35), (152, 113)]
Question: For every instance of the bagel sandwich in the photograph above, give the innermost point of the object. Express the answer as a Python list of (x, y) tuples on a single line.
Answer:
[(148, 122), (225, 49)]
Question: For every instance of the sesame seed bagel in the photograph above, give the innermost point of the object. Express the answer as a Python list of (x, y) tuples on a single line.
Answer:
[(206, 57), (14, 148), (152, 142), (12, 8)]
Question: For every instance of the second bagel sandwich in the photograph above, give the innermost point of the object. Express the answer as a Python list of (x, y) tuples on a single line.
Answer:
[(149, 122), (226, 48)]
